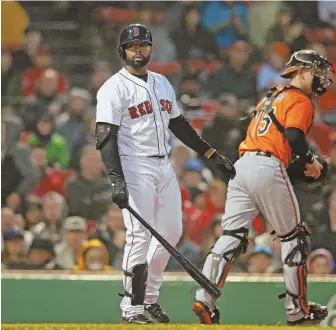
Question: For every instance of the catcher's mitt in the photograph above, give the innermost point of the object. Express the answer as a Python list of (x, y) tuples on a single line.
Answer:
[(296, 174)]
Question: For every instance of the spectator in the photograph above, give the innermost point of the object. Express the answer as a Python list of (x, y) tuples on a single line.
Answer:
[(93, 257), (13, 250), (18, 174), (7, 219), (321, 262), (276, 56), (23, 58), (192, 174), (224, 131), (215, 197), (43, 61), (51, 179), (14, 125), (288, 31), (226, 19), (192, 40), (73, 125), (54, 211), (55, 144), (332, 164), (327, 12), (41, 256), (33, 211), (237, 78), (100, 73), (20, 223), (74, 235), (260, 260), (89, 194), (47, 100), (164, 49), (10, 80), (111, 233)]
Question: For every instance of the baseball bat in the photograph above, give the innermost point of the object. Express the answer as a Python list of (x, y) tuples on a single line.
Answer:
[(197, 275)]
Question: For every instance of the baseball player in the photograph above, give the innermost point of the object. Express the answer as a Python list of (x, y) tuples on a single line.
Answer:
[(277, 129), (135, 109)]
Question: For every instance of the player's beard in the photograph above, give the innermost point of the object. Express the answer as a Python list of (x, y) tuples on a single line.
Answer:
[(138, 63)]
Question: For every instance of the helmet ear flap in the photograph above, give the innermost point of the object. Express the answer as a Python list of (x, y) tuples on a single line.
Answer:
[(122, 53)]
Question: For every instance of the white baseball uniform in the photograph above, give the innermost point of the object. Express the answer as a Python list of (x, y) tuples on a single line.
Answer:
[(142, 111)]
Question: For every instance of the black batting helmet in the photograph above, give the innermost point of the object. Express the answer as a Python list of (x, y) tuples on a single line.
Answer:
[(133, 32)]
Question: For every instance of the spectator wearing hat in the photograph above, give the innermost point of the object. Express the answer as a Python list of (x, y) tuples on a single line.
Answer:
[(18, 173), (224, 132), (192, 174), (237, 77), (321, 262), (55, 144), (52, 179), (46, 101), (89, 194), (111, 232), (54, 211), (276, 56), (93, 256), (23, 58), (260, 260), (72, 125), (7, 219), (101, 71), (74, 235), (14, 249), (30, 79), (40, 256)]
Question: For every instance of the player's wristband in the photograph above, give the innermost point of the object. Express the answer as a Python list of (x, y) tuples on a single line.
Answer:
[(209, 153)]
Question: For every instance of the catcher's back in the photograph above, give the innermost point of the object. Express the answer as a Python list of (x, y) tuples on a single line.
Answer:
[(292, 108)]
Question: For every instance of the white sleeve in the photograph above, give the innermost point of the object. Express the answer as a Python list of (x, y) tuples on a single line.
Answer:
[(109, 104), (175, 109)]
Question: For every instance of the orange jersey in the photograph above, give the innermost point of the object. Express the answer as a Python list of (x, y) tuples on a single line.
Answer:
[(292, 108)]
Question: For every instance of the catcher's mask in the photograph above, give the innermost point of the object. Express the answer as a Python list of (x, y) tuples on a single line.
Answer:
[(131, 33), (320, 66)]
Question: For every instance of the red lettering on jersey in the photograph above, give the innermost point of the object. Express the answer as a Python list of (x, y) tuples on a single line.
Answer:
[(163, 105), (148, 107), (133, 112), (169, 107), (141, 109)]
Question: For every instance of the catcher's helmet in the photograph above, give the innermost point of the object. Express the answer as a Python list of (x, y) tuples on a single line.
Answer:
[(133, 32), (320, 65)]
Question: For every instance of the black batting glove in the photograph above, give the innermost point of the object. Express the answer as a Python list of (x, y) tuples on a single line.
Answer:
[(120, 193), (224, 166)]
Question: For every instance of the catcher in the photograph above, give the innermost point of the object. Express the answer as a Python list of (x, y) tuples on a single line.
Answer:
[(277, 130)]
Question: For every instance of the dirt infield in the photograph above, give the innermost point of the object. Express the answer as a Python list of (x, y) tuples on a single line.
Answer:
[(150, 327)]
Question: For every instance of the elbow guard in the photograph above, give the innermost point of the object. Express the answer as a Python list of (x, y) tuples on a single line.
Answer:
[(103, 134)]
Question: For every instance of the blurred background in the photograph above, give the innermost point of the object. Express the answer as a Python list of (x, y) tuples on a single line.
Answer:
[(221, 57)]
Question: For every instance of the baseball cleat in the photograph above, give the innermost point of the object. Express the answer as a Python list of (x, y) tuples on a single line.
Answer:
[(202, 311), (137, 319), (156, 314), (317, 313)]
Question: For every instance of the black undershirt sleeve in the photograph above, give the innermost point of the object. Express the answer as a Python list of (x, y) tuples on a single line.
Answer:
[(298, 143), (182, 129), (110, 156)]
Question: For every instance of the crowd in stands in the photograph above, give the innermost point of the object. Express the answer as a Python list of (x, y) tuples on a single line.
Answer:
[(221, 57)]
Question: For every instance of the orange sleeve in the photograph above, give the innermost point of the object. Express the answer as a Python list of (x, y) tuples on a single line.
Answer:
[(300, 114)]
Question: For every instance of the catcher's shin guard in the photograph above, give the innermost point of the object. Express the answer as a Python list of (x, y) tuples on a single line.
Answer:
[(221, 264)]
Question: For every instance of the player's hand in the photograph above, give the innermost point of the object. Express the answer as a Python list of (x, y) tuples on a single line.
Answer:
[(314, 169), (120, 193), (224, 165)]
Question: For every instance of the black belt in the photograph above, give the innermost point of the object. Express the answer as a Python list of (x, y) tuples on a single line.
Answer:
[(265, 154), (157, 156)]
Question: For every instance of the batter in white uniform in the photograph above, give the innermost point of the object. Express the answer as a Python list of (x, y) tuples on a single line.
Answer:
[(135, 108)]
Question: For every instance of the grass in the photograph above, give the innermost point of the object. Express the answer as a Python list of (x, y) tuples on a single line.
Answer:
[(46, 326)]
